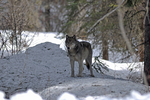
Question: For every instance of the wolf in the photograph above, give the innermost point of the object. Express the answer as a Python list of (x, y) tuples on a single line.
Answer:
[(79, 51)]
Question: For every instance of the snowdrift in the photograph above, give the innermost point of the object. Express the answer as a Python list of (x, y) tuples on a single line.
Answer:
[(45, 69)]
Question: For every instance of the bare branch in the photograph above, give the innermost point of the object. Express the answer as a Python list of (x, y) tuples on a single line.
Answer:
[(85, 5), (80, 10), (123, 33), (146, 13)]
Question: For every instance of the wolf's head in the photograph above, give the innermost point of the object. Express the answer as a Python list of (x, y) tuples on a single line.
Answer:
[(70, 42)]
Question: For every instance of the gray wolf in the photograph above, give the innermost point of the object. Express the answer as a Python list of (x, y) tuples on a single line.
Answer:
[(79, 51)]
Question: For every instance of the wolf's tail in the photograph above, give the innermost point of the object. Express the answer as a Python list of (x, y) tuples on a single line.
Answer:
[(89, 58), (87, 64)]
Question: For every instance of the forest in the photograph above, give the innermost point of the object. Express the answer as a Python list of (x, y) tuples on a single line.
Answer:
[(99, 20), (119, 29)]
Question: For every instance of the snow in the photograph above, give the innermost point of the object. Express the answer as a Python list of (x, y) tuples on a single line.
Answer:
[(45, 68), (133, 96), (67, 96), (29, 95)]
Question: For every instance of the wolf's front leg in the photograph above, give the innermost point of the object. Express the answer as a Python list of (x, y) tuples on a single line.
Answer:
[(72, 67), (80, 68)]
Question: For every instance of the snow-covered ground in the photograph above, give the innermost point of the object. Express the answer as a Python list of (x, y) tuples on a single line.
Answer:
[(45, 69)]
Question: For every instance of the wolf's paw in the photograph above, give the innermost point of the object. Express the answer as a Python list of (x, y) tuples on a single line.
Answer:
[(72, 75), (92, 76), (79, 75)]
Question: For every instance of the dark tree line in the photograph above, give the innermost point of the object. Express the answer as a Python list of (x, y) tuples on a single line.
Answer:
[(147, 44)]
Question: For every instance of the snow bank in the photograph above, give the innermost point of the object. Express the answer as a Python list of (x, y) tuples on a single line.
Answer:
[(133, 96), (45, 68), (28, 95), (31, 95)]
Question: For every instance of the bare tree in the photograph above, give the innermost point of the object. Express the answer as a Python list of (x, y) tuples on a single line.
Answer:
[(52, 14), (47, 15), (16, 17)]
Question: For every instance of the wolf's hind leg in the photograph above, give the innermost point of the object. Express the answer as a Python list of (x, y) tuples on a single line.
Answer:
[(91, 70)]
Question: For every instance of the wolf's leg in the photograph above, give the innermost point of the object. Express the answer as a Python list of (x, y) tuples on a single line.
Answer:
[(91, 70), (72, 67), (80, 68)]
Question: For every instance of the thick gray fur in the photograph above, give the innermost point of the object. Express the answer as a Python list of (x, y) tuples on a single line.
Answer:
[(79, 51)]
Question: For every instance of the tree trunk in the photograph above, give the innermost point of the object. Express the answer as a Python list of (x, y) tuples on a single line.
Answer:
[(147, 48), (141, 47), (141, 53), (105, 49), (47, 16)]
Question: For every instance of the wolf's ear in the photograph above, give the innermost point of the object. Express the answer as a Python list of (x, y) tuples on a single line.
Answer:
[(74, 36), (67, 36)]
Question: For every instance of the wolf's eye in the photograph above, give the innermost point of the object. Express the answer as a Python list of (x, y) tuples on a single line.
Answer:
[(67, 40)]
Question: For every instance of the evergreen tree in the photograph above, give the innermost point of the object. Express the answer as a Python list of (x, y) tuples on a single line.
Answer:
[(83, 14)]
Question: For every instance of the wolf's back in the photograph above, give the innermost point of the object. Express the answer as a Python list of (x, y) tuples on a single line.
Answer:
[(88, 60)]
